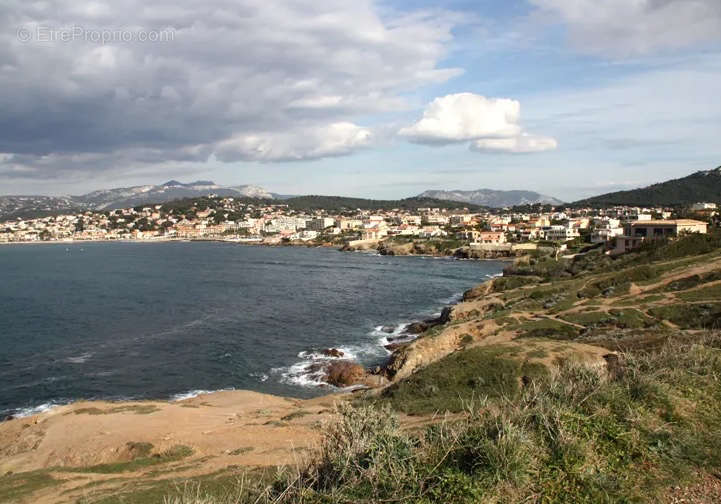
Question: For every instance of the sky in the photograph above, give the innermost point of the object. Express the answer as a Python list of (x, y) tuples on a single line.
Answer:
[(380, 99)]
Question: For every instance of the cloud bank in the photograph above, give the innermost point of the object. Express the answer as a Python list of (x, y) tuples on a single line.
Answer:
[(521, 144), (633, 27), (240, 80), (490, 124)]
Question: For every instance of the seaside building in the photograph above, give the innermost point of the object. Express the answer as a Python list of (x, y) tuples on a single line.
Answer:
[(635, 233)]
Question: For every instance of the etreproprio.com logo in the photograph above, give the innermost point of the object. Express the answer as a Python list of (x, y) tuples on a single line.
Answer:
[(77, 33)]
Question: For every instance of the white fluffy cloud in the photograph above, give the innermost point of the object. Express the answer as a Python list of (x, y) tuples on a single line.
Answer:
[(465, 116), (523, 143), (628, 27), (335, 139), (250, 79), (490, 124)]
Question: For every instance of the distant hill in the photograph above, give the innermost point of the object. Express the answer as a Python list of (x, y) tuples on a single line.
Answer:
[(492, 198), (123, 197), (699, 186), (339, 203), (169, 191), (181, 195)]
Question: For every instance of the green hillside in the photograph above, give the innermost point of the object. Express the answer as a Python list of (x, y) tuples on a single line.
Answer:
[(699, 186), (342, 203)]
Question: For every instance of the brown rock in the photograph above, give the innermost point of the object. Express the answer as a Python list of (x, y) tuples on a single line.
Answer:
[(476, 292), (614, 365), (344, 373), (417, 327), (333, 352)]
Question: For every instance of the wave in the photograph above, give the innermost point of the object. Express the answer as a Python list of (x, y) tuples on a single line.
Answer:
[(34, 410), (261, 377), (452, 300), (195, 393), (79, 359)]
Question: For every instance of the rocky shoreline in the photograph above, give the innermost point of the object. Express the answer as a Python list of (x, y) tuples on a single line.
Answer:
[(344, 373)]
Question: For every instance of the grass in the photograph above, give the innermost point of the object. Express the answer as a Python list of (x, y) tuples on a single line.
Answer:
[(689, 316), (242, 451), (636, 301), (538, 353), (590, 319), (294, 415), (229, 486), (712, 292), (574, 435), (459, 378), (506, 283), (138, 409), (546, 328), (627, 318), (14, 487), (519, 431), (141, 460)]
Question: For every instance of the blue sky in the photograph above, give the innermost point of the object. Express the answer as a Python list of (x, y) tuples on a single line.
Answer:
[(373, 99)]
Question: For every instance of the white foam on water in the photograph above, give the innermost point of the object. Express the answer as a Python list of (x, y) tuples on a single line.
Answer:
[(195, 393), (310, 370), (36, 410), (261, 377), (79, 359), (348, 354), (454, 299), (301, 374)]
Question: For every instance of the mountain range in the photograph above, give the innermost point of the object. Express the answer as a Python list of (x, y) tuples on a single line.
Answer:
[(124, 197), (700, 186), (492, 198)]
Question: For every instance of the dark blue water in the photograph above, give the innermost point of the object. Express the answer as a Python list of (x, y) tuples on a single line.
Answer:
[(137, 320)]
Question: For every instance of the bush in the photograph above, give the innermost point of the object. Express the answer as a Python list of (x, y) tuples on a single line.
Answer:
[(575, 435), (690, 316), (456, 380), (548, 329)]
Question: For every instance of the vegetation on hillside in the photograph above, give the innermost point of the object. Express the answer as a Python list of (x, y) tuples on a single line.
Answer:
[(522, 422), (699, 186), (602, 384), (339, 203), (576, 434)]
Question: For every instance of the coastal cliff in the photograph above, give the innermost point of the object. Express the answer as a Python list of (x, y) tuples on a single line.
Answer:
[(583, 380)]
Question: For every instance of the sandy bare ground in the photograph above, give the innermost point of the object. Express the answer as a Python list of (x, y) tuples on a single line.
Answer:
[(226, 428)]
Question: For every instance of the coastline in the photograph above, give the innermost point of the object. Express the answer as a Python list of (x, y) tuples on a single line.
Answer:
[(404, 334), (384, 341), (253, 243), (214, 431)]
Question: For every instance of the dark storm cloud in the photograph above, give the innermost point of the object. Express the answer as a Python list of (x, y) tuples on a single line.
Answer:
[(246, 79)]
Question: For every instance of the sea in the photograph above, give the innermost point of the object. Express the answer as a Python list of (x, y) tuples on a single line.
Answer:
[(171, 320)]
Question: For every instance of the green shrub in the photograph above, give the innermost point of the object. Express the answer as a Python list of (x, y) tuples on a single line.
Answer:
[(505, 283), (574, 435), (710, 293), (454, 381), (547, 328), (689, 316)]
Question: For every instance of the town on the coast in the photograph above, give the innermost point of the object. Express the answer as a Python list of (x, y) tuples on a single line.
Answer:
[(497, 232)]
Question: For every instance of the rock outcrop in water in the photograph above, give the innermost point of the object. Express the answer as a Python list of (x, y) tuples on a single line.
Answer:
[(423, 326), (333, 352), (344, 373)]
